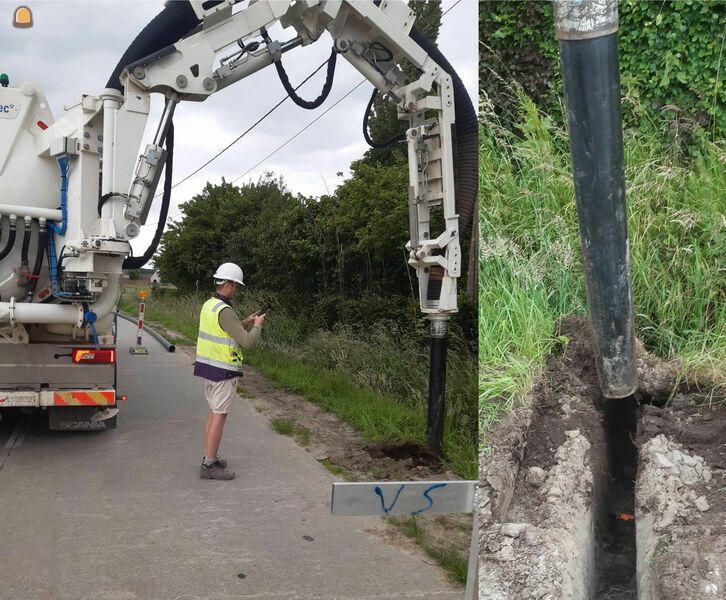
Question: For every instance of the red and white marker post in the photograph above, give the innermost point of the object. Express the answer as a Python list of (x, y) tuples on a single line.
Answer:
[(138, 348)]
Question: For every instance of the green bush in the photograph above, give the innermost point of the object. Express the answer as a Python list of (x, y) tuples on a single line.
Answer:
[(670, 52)]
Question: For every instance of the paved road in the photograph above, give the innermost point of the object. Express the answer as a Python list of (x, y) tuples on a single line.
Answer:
[(122, 514)]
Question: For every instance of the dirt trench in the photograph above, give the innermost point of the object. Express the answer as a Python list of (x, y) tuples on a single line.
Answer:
[(585, 498)]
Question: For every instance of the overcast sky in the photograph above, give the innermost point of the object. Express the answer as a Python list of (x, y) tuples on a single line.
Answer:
[(73, 46)]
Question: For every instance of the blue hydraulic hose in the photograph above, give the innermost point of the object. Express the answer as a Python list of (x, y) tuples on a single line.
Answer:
[(52, 227), (93, 331), (63, 164)]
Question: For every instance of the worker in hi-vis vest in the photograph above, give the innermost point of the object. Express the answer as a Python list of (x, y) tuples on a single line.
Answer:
[(219, 361)]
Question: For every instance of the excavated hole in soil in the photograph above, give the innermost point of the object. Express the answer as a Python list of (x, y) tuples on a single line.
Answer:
[(417, 455), (615, 544)]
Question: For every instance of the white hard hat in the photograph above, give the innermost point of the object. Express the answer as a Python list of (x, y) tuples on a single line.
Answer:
[(229, 272)]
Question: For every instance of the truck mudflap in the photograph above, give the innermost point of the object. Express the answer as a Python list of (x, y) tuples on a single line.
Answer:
[(84, 418), (89, 398)]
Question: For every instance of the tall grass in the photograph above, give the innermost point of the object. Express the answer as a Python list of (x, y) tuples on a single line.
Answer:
[(375, 378), (530, 270)]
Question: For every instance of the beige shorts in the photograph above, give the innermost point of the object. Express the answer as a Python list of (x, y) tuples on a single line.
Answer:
[(220, 394)]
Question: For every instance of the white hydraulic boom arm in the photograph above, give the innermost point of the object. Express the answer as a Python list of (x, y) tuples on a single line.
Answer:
[(214, 48), (374, 39)]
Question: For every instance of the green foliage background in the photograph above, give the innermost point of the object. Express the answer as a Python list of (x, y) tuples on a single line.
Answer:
[(671, 52)]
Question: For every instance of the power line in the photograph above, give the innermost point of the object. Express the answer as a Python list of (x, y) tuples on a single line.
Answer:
[(322, 114), (255, 124), (450, 7)]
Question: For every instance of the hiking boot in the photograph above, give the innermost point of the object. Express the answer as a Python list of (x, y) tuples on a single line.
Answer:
[(222, 462), (215, 471)]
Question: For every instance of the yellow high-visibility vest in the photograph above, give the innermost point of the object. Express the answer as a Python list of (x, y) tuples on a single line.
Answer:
[(215, 347)]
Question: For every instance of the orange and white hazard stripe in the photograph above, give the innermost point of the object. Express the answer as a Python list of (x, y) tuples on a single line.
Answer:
[(77, 398)]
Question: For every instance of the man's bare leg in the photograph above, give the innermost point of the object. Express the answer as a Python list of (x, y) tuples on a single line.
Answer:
[(213, 434), (207, 425)]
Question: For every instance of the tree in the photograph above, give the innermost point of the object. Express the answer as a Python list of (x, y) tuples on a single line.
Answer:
[(207, 234)]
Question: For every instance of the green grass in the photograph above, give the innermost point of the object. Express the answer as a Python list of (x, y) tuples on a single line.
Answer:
[(172, 311), (530, 273), (334, 469), (282, 426), (376, 380), (289, 427), (338, 470)]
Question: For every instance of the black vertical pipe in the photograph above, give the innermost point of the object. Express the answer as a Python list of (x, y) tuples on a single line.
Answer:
[(42, 244), (26, 245), (587, 32), (10, 242), (437, 385)]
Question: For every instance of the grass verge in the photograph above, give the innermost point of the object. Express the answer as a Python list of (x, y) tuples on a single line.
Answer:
[(290, 428), (376, 381), (530, 273)]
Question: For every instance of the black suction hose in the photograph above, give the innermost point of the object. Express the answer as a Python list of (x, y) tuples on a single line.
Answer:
[(136, 262), (588, 44), (169, 26), (10, 242), (467, 138)]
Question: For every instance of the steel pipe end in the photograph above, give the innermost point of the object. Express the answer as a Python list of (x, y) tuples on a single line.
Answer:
[(585, 19)]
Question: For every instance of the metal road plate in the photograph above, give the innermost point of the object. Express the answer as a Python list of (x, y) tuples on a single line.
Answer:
[(402, 497)]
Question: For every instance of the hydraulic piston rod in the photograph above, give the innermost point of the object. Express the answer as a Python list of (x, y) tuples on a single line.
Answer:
[(587, 33)]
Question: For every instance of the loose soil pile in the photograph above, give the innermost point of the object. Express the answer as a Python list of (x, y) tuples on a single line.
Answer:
[(572, 476), (681, 500)]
